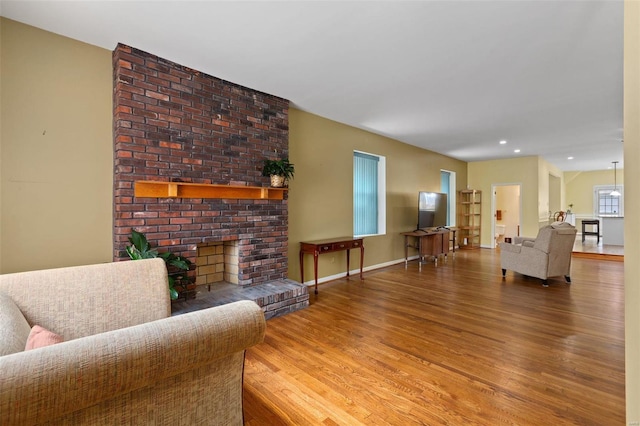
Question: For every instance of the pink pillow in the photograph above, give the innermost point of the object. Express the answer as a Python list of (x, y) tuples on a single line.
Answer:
[(40, 337)]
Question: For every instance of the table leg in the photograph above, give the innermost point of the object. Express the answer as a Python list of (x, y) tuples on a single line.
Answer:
[(301, 267), (406, 251), (348, 251), (315, 269), (454, 243), (361, 260)]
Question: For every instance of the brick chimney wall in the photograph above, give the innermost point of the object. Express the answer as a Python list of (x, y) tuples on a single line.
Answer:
[(173, 123)]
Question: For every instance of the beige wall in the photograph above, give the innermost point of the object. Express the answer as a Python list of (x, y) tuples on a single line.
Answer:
[(632, 205), (579, 188), (522, 171), (56, 165), (532, 173), (555, 194), (550, 187), (320, 196)]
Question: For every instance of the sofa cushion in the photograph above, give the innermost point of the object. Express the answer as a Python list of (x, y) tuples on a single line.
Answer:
[(14, 328), (40, 337)]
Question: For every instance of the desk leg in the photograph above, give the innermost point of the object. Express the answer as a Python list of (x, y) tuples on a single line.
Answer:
[(406, 251), (348, 252), (361, 260), (454, 244), (315, 269), (420, 254), (301, 267)]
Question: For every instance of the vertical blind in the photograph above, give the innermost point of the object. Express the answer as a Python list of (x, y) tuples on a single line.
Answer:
[(445, 186), (365, 194)]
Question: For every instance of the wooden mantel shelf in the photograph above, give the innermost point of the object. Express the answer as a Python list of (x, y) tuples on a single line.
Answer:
[(158, 189)]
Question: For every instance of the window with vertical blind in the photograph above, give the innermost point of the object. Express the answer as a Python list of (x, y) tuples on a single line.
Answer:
[(448, 186), (368, 194)]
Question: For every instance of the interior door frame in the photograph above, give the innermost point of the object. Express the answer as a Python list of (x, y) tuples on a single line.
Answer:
[(494, 187)]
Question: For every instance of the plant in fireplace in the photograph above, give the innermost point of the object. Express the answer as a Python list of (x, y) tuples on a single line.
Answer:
[(180, 285), (279, 171)]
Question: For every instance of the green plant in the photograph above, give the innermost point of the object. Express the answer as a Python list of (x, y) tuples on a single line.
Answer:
[(279, 168), (176, 265)]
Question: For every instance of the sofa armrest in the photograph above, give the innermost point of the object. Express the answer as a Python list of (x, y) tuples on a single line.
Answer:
[(56, 381)]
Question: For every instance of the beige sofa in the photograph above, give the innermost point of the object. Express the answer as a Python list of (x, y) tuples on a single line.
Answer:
[(124, 359), (547, 255)]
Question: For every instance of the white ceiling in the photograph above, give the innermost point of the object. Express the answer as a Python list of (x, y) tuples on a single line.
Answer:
[(454, 77)]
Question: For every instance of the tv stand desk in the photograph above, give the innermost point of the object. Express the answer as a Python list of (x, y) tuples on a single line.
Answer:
[(430, 243), (328, 246)]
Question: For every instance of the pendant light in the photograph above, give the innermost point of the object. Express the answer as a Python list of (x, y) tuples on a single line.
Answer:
[(615, 192)]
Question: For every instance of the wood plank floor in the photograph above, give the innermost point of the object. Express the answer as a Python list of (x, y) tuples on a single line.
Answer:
[(454, 345)]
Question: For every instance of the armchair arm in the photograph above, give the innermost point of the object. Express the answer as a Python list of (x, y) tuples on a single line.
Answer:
[(510, 248), (521, 240), (527, 260), (57, 382)]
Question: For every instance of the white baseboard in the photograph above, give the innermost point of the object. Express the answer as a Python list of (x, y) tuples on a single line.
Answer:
[(356, 272)]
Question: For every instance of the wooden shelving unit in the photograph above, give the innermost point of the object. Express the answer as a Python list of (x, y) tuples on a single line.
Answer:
[(469, 207), (158, 189)]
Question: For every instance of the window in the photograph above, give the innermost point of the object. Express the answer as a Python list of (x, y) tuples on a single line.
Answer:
[(448, 186), (369, 201), (606, 204)]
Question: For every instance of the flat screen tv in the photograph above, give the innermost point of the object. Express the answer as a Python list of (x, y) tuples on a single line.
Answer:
[(432, 210)]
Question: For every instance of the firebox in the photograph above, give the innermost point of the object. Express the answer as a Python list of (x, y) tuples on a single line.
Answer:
[(217, 262)]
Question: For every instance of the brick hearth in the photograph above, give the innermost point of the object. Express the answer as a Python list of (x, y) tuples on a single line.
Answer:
[(275, 298)]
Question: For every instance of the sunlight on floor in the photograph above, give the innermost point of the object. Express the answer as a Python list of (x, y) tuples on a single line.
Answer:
[(591, 245)]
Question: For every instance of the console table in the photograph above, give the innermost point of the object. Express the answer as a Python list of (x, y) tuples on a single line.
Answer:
[(328, 246), (430, 243)]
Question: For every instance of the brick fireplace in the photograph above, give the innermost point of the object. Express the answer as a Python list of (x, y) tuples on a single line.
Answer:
[(175, 124)]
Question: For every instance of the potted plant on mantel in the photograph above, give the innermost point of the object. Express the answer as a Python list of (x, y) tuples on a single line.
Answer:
[(180, 284), (279, 171)]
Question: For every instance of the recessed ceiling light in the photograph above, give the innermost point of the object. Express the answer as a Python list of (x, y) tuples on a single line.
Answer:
[(503, 142), (516, 150), (569, 158)]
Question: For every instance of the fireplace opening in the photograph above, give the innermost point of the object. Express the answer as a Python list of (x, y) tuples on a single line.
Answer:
[(217, 262)]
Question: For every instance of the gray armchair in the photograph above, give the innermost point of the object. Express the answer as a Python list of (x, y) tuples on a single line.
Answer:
[(547, 255)]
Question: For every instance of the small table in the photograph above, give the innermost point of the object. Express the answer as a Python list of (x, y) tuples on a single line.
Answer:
[(327, 246), (429, 243), (595, 223)]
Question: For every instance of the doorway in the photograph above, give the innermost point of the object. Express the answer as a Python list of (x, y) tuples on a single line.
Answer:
[(506, 208)]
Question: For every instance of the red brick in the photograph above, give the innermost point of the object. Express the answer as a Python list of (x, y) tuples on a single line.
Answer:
[(180, 123), (179, 220), (156, 95)]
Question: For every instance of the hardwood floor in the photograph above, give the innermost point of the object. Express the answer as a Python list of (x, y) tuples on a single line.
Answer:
[(592, 246), (453, 345)]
